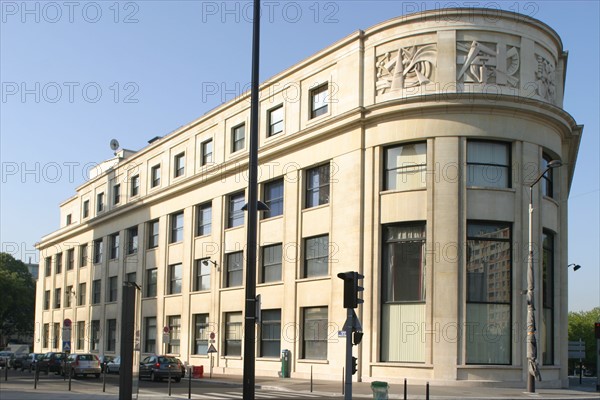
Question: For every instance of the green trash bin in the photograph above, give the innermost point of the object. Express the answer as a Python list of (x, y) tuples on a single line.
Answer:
[(380, 390), (286, 360)]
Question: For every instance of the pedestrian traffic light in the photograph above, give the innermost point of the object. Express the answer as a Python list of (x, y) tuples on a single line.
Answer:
[(357, 337), (354, 365), (351, 288)]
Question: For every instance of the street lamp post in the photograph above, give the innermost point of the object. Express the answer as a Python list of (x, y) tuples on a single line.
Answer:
[(532, 363)]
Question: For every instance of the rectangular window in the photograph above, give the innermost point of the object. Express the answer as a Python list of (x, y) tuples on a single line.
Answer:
[(233, 334), (488, 164), (47, 266), (316, 256), (153, 234), (95, 335), (204, 219), (150, 335), (112, 289), (80, 335), (55, 335), (57, 297), (111, 334), (132, 240), (100, 202), (175, 277), (69, 219), (202, 275), (135, 185), (275, 121), (151, 281), (98, 250), (155, 176), (81, 294), (405, 167), (179, 165), (131, 277), (270, 334), (83, 255), (273, 198), (547, 331), (271, 263), (68, 293), (86, 208), (314, 333), (70, 259), (238, 138), (47, 300), (58, 261), (174, 323), (207, 152), (96, 291), (548, 178), (319, 99), (489, 290), (317, 186), (46, 336), (235, 269), (201, 331), (176, 227), (235, 213), (114, 241), (116, 194)]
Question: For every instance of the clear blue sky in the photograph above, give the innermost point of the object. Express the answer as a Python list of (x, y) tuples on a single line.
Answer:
[(135, 70)]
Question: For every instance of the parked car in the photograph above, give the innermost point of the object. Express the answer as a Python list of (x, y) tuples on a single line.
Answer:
[(17, 360), (51, 362), (30, 362), (113, 366), (104, 360), (5, 357), (182, 366), (157, 368), (82, 364)]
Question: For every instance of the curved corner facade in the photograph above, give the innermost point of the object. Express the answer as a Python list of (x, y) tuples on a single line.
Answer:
[(404, 152)]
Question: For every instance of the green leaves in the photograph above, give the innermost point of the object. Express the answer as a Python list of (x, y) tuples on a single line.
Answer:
[(17, 296)]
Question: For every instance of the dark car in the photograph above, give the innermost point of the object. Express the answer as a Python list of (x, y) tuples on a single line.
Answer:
[(17, 360), (182, 366), (104, 360), (157, 368), (31, 360), (52, 362)]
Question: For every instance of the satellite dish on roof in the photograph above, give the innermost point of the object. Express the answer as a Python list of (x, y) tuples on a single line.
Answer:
[(114, 144)]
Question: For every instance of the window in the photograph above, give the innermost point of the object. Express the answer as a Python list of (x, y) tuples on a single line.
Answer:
[(233, 334), (70, 259), (68, 293), (46, 336), (81, 294), (204, 219), (47, 266), (548, 178), (174, 323), (95, 335), (316, 256), (47, 300), (179, 165), (317, 186), (488, 164), (405, 167), (238, 138), (86, 208), (57, 298), (175, 277), (55, 335), (177, 227), (155, 176), (98, 249), (235, 213), (270, 333), (151, 281), (100, 202), (271, 263), (314, 333), (275, 121), (58, 261), (153, 234), (111, 337), (83, 255), (135, 185), (200, 345), (114, 241), (202, 275), (116, 194), (96, 291), (69, 219), (547, 331), (132, 240), (273, 198), (112, 289), (319, 98), (403, 285), (131, 277), (488, 314), (150, 335), (235, 269), (80, 335), (207, 152)]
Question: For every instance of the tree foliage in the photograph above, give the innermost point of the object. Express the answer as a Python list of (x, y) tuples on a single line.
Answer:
[(581, 326), (17, 302)]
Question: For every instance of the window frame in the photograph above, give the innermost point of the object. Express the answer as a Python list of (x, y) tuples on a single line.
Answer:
[(85, 209), (270, 327), (100, 202), (116, 194), (237, 143), (232, 273), (200, 333), (267, 263), (233, 334), (307, 258), (310, 190), (153, 234), (507, 168), (134, 189), (547, 336), (422, 167), (155, 176), (202, 265), (203, 228), (548, 177), (175, 276), (57, 297), (206, 157), (151, 282), (111, 335), (313, 95), (179, 165), (96, 291), (272, 125), (114, 241), (275, 204), (133, 241), (150, 334), (81, 294), (320, 335), (58, 263), (176, 224), (70, 259), (174, 324), (235, 214), (112, 289), (98, 250), (83, 255)]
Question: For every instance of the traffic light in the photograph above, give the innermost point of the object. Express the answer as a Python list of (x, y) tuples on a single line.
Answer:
[(351, 288), (354, 365), (357, 337)]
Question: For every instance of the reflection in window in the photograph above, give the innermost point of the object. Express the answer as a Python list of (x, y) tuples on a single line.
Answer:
[(405, 167)]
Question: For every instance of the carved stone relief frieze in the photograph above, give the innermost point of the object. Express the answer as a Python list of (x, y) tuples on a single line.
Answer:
[(405, 68), (545, 79), (493, 63)]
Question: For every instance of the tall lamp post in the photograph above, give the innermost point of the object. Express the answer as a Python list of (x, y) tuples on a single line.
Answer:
[(532, 363)]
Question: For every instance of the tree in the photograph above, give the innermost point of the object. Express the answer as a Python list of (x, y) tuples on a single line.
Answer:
[(17, 306), (581, 326)]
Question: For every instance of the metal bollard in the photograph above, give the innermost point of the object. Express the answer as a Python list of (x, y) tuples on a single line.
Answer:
[(104, 380), (190, 383), (311, 379), (6, 370), (169, 380), (405, 391), (36, 376), (427, 391), (70, 375), (343, 380)]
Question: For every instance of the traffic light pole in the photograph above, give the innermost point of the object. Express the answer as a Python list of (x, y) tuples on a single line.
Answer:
[(348, 379)]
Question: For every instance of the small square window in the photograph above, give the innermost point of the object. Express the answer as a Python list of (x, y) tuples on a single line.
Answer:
[(238, 138), (319, 100), (275, 121)]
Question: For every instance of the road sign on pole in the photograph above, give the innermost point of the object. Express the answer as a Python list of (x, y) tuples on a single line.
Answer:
[(211, 349)]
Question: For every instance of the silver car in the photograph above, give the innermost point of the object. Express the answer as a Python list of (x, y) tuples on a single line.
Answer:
[(113, 366), (83, 364)]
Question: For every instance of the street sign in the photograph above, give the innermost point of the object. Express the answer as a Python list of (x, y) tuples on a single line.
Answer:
[(166, 329), (67, 323), (341, 333), (66, 345), (166, 338), (577, 349), (212, 336), (211, 349)]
